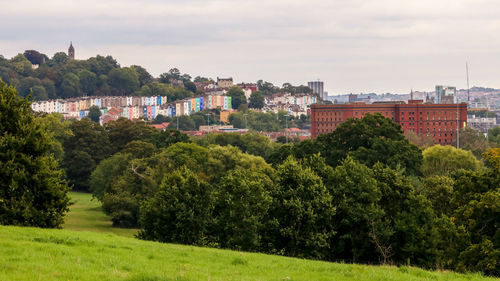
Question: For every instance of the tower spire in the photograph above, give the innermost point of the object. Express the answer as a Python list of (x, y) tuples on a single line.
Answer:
[(71, 51)]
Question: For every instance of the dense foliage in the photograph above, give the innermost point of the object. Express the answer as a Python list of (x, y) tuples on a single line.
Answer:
[(32, 189)]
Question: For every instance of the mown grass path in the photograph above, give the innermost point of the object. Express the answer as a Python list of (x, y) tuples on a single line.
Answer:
[(51, 254), (86, 214)]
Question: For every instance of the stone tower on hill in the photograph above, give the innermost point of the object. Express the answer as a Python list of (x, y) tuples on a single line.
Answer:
[(71, 51)]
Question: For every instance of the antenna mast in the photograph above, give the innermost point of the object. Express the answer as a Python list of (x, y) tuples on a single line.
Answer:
[(467, 70)]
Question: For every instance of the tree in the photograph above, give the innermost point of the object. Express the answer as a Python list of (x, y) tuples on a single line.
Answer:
[(84, 149), (122, 131), (70, 86), (355, 195), (27, 84), (185, 123), (180, 212), (237, 97), (256, 100), (32, 190), (59, 58), (58, 130), (34, 57), (88, 81), (422, 141), (144, 76), (250, 143), (477, 197), (124, 81), (472, 140), (301, 213), (443, 160), (371, 139), (241, 205), (190, 86), (94, 113), (21, 65), (102, 65), (494, 135), (168, 137), (155, 89), (106, 173)]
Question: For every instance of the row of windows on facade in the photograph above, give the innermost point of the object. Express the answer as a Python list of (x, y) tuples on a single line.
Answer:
[(427, 134), (451, 113)]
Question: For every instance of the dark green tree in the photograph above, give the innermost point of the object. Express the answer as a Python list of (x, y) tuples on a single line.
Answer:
[(190, 86), (34, 57), (180, 212), (88, 81), (168, 137), (371, 139), (59, 58), (185, 123), (301, 213), (122, 131), (237, 97), (83, 150), (124, 81), (94, 113), (494, 136), (70, 86), (241, 206), (144, 76), (32, 189), (102, 65), (256, 100)]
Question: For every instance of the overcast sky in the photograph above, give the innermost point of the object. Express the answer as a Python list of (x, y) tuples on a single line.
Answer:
[(352, 45)]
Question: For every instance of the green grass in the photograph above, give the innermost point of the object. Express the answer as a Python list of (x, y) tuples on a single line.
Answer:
[(86, 214), (51, 254), (108, 253)]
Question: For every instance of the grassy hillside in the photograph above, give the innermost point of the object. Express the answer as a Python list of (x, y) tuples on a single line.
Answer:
[(48, 254), (86, 214)]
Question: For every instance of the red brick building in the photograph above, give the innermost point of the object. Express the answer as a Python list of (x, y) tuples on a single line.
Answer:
[(436, 120)]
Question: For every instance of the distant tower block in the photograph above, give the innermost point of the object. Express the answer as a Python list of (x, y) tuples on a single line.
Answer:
[(71, 51)]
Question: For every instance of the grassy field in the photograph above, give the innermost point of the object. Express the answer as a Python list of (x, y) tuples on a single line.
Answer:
[(86, 214), (89, 248), (48, 254)]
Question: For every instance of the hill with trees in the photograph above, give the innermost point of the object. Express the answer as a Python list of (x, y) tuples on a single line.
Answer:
[(62, 77)]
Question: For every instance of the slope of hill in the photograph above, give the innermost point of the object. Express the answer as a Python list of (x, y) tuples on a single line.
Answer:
[(86, 214), (50, 254)]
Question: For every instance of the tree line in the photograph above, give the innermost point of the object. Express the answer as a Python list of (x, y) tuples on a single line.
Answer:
[(362, 193)]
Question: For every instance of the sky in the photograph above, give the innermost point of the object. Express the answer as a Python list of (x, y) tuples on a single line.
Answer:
[(353, 46)]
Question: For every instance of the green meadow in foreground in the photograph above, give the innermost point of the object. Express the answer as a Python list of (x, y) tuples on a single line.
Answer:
[(52, 254), (86, 214), (109, 253)]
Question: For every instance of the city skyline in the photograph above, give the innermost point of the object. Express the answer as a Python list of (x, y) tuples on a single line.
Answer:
[(353, 46)]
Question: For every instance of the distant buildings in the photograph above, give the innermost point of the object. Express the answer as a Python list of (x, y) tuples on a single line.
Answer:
[(440, 121), (445, 94), (295, 105), (132, 107), (224, 82), (318, 88)]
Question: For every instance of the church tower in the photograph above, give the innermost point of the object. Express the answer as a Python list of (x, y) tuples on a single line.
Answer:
[(71, 51)]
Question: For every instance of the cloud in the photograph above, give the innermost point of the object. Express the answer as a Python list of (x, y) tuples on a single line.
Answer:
[(353, 45)]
